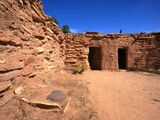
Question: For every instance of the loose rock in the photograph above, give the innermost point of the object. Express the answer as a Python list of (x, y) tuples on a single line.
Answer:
[(41, 104), (18, 90), (39, 50)]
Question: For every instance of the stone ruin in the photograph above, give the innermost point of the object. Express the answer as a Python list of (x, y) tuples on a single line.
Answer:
[(31, 42), (114, 51)]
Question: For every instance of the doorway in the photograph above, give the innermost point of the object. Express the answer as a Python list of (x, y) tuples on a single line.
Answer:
[(122, 58), (95, 58)]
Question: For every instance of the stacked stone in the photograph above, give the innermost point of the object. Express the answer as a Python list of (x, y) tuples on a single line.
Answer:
[(76, 50), (142, 50), (30, 41)]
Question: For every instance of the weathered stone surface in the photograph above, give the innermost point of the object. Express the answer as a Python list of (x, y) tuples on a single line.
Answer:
[(39, 50), (11, 40), (42, 104), (27, 52), (8, 49), (9, 75), (27, 70), (142, 53), (2, 61), (26, 36), (32, 74), (11, 64), (6, 98), (51, 67), (19, 90), (57, 96), (26, 30), (5, 86), (29, 60)]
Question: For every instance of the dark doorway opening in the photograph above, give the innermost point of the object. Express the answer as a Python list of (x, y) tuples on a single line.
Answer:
[(95, 58), (122, 58)]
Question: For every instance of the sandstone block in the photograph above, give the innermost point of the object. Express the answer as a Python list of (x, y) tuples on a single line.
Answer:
[(12, 40), (5, 86), (11, 64), (9, 75), (27, 70), (6, 98)]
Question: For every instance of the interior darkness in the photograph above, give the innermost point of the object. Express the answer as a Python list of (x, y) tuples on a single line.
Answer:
[(122, 55), (95, 58)]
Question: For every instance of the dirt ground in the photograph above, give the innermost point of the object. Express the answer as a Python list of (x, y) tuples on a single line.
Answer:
[(95, 95), (125, 95), (37, 89)]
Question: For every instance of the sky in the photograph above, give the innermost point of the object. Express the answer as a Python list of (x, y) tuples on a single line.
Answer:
[(106, 16)]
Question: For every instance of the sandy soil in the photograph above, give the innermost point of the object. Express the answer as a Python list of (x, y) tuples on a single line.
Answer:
[(38, 88), (95, 95), (124, 95)]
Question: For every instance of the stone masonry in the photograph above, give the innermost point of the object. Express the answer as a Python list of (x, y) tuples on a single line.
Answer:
[(142, 50), (30, 41)]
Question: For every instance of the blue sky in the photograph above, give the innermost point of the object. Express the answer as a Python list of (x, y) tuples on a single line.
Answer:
[(106, 16)]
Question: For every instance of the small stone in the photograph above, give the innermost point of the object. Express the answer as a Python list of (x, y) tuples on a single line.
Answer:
[(19, 90), (2, 61), (39, 50), (32, 75), (51, 67)]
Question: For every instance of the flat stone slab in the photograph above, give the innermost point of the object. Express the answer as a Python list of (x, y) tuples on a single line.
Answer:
[(4, 86), (11, 64), (9, 75), (41, 104), (6, 98), (57, 96)]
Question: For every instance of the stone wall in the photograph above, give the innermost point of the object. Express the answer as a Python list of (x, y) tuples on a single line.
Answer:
[(142, 50), (30, 41)]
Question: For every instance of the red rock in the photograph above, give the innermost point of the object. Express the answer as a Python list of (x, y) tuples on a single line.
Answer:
[(23, 27), (27, 70), (11, 64), (9, 75), (29, 60), (12, 40), (6, 98), (4, 86)]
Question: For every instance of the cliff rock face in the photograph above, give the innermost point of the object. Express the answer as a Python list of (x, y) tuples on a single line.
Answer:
[(30, 41)]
